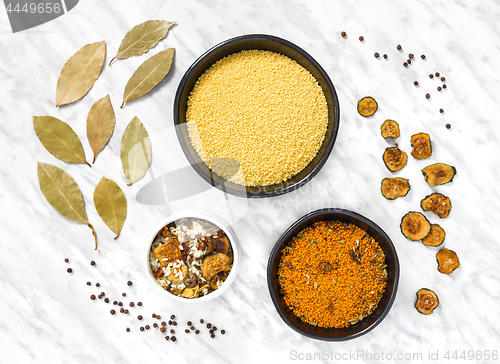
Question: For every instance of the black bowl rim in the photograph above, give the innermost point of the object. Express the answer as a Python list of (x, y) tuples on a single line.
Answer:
[(262, 194), (275, 250)]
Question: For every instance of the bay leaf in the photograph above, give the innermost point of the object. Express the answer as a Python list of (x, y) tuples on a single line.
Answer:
[(63, 194), (59, 139), (135, 151), (142, 38), (80, 73), (148, 75), (100, 124), (111, 204)]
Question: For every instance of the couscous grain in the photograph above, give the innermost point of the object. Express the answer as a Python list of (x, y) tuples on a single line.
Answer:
[(257, 117)]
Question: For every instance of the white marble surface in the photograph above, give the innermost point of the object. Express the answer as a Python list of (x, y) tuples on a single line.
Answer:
[(46, 315)]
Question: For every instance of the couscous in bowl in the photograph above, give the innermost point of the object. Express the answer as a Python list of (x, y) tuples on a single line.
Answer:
[(260, 43)]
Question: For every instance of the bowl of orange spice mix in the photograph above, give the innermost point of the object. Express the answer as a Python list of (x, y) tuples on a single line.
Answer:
[(333, 275), (256, 116)]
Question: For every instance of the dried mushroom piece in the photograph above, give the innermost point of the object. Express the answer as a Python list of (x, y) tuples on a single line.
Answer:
[(220, 244), (421, 146), (367, 106), (439, 174), (390, 129), (394, 158), (214, 264), (427, 301), (415, 226), (395, 187), (447, 261), (437, 203), (168, 252), (435, 236), (191, 280), (190, 292)]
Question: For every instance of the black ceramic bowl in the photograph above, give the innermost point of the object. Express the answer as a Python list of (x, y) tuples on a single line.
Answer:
[(369, 322), (261, 42)]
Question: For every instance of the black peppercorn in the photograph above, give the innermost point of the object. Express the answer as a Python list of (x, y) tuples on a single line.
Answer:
[(92, 263), (398, 47), (376, 55), (139, 317), (427, 96), (448, 126), (361, 38), (129, 283), (385, 56), (343, 34), (411, 56), (422, 56), (415, 83), (441, 111), (112, 312), (431, 76), (66, 260), (92, 297), (69, 270)]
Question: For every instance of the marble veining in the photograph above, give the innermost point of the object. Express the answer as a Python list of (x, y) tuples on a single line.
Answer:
[(46, 315)]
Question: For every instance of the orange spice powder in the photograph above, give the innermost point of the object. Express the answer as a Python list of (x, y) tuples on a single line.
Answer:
[(332, 274)]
